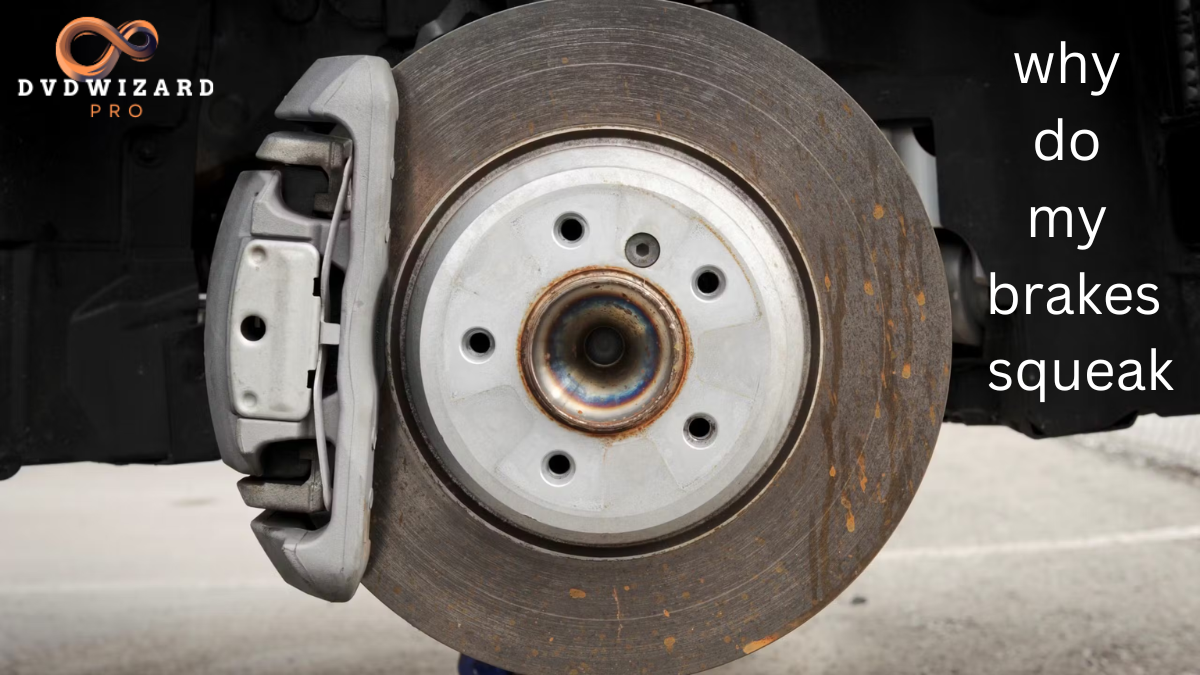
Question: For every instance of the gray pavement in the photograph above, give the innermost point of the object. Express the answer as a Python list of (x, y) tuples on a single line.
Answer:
[(1016, 557)]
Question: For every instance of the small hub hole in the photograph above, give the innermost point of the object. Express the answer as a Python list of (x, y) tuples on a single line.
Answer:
[(478, 345), (709, 282), (643, 249), (253, 328), (699, 430), (570, 230), (558, 468), (559, 464)]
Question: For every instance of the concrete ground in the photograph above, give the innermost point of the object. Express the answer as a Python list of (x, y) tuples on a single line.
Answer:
[(1016, 557)]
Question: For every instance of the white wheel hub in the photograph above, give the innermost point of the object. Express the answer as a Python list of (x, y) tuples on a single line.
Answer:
[(607, 341)]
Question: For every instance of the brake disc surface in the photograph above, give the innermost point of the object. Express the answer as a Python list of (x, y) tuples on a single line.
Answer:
[(569, 167)]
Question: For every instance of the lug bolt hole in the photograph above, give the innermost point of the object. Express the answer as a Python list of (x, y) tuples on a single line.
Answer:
[(569, 230), (700, 430), (558, 468), (253, 328), (708, 283), (478, 345)]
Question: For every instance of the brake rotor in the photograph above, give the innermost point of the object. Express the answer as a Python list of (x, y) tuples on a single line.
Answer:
[(668, 346)]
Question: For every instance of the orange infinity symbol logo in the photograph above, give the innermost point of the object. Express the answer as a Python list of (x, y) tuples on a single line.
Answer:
[(118, 39)]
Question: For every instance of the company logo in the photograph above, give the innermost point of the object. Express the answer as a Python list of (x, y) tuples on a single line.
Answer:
[(118, 43), (92, 81)]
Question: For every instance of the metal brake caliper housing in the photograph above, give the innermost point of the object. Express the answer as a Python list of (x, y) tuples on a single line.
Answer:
[(265, 325)]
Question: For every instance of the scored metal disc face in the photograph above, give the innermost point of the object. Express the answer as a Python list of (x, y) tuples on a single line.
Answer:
[(859, 436)]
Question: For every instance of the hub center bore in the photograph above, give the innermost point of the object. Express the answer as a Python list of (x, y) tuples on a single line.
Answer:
[(604, 346), (603, 350)]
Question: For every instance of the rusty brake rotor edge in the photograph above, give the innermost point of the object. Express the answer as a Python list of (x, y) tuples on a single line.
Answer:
[(868, 261)]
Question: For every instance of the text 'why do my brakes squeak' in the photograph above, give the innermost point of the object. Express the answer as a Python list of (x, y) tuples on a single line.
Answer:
[(1052, 145)]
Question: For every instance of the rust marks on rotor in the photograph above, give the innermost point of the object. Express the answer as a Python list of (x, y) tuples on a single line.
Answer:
[(620, 617), (576, 593), (752, 647), (868, 288), (878, 212), (849, 513), (837, 300), (889, 330), (754, 168), (669, 643)]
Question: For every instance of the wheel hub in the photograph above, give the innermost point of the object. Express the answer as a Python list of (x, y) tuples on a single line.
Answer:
[(631, 290)]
